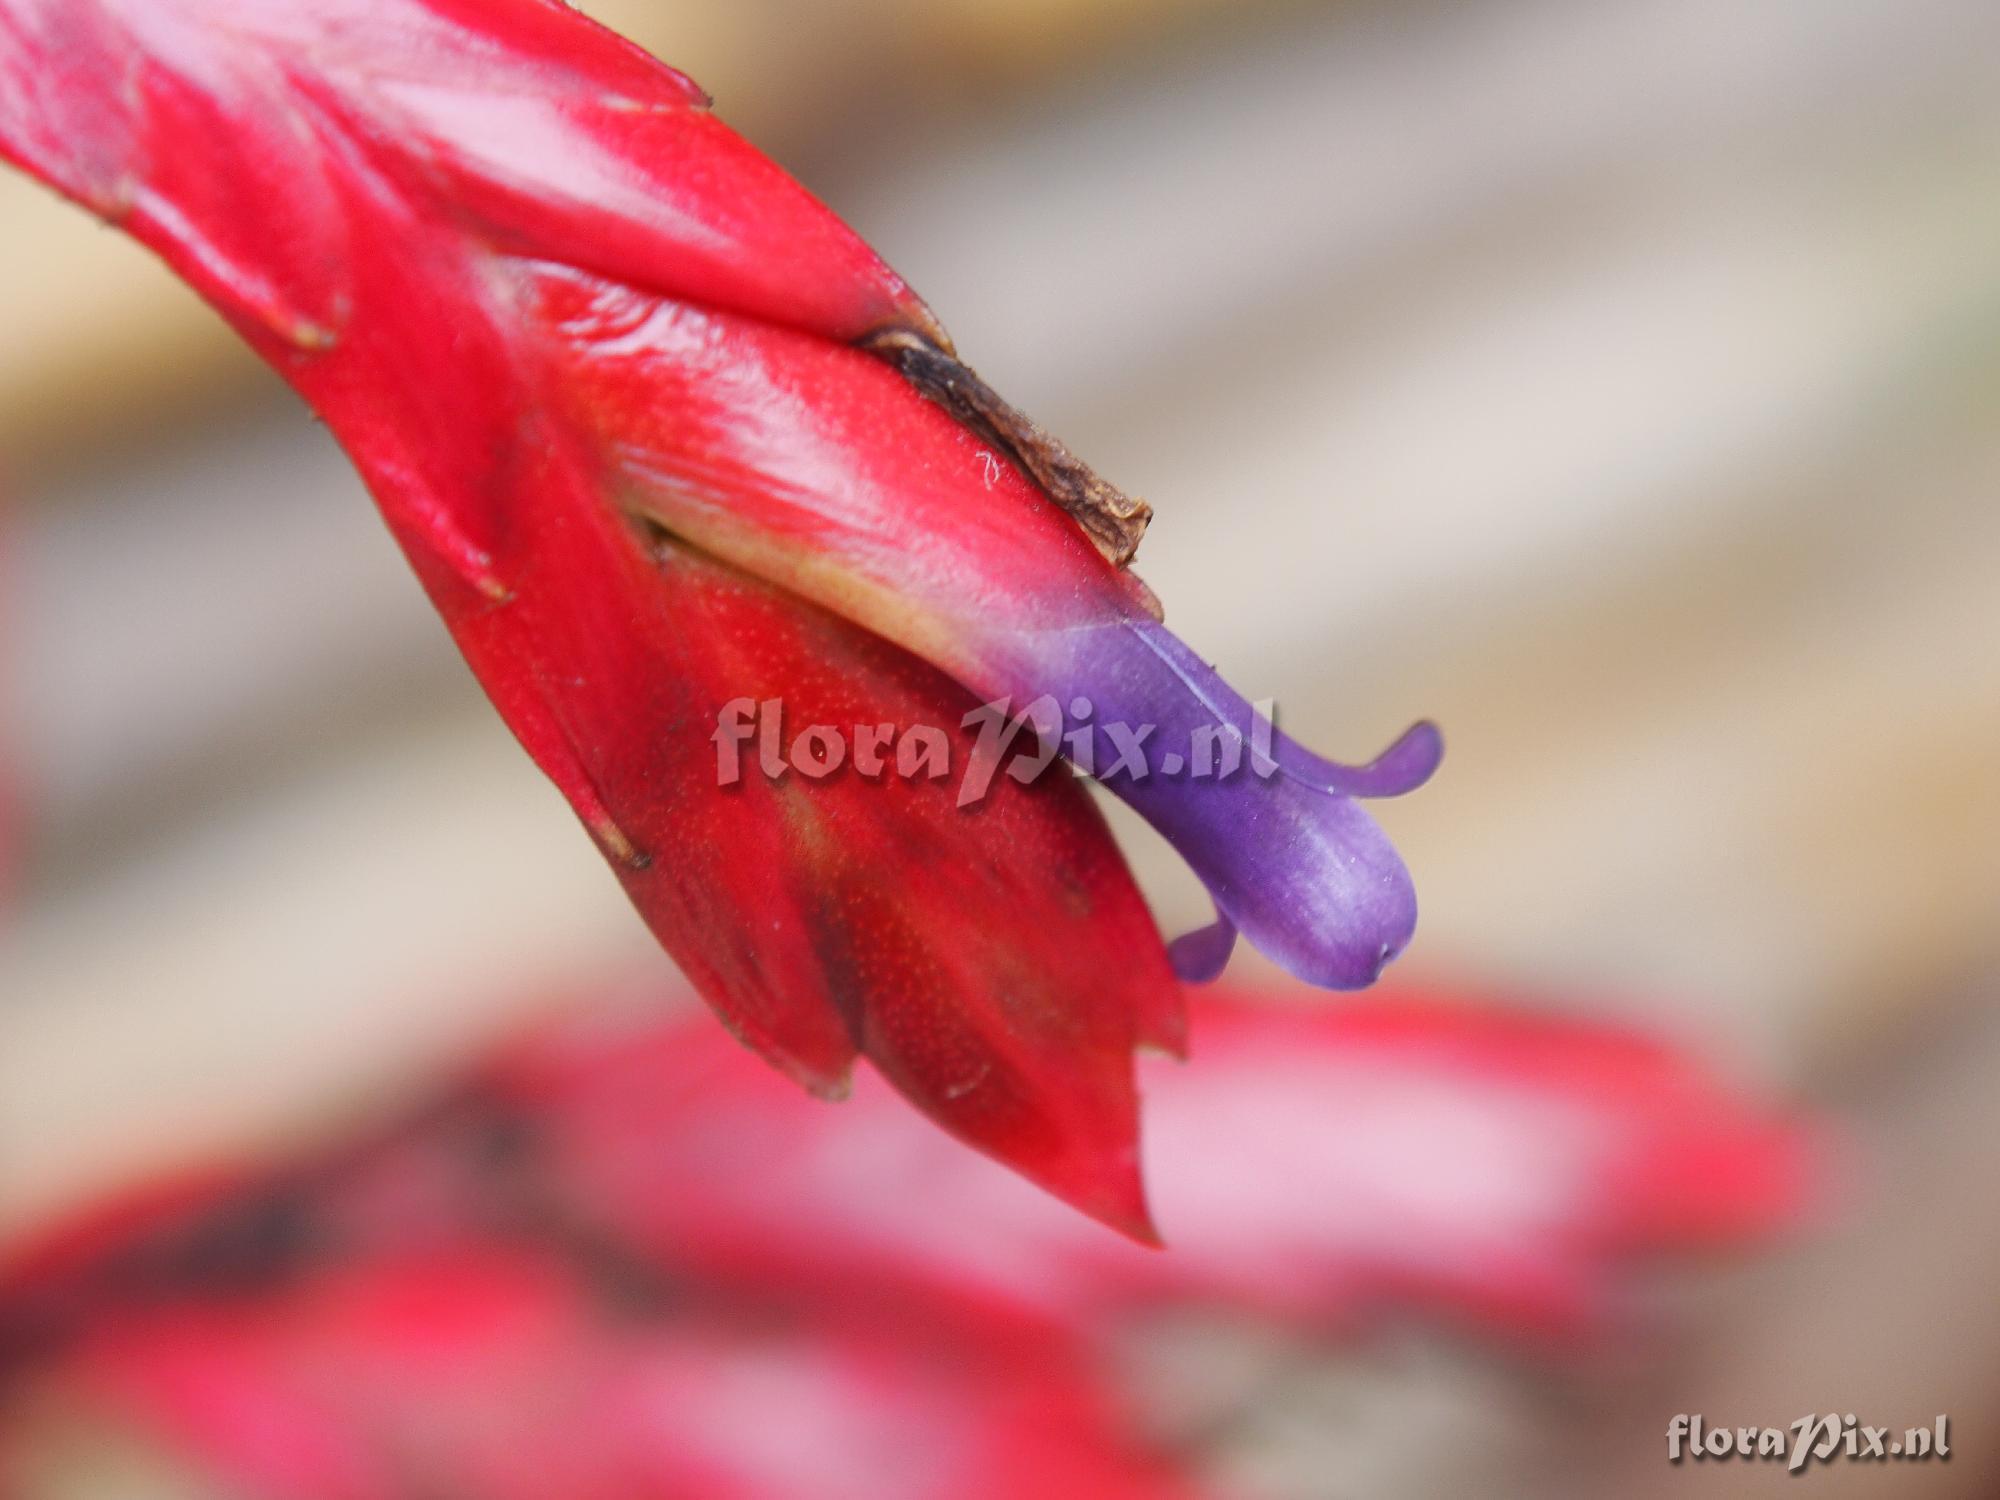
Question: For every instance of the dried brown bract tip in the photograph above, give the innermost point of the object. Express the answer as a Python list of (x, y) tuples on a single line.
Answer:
[(1114, 521)]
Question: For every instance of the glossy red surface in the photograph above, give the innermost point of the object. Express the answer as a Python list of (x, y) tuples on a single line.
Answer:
[(381, 196)]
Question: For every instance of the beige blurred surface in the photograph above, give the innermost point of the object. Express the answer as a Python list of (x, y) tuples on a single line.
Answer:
[(1619, 385)]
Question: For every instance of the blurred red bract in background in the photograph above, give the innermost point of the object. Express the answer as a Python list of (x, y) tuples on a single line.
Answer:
[(625, 1259)]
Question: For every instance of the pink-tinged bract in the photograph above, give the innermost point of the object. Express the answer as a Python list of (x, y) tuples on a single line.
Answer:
[(508, 1374), (655, 431), (1422, 1152), (621, 1259), (1428, 1154)]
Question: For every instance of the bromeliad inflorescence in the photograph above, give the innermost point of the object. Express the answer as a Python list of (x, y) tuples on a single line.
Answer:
[(658, 432)]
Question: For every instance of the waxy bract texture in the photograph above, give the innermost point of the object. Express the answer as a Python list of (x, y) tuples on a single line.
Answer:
[(646, 419)]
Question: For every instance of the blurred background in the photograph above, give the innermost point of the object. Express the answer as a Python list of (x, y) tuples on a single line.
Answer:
[(1617, 384)]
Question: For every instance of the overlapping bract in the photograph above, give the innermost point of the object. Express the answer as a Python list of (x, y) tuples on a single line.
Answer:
[(606, 369)]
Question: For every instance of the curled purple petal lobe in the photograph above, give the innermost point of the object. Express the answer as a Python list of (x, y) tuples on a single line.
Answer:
[(1401, 769)]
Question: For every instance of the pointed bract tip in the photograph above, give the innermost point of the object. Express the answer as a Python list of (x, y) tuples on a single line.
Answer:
[(1129, 1214), (1107, 1186)]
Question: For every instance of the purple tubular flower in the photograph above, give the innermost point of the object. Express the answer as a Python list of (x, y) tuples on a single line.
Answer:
[(1288, 857)]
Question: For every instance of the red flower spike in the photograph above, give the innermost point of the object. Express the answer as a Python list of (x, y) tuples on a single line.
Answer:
[(478, 1370), (1414, 1151), (584, 1272), (1423, 1153), (391, 200)]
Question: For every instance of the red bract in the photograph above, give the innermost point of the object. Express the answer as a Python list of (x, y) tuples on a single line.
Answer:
[(507, 1375), (1419, 1155), (1415, 1153), (366, 191), (659, 435), (622, 1260)]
